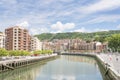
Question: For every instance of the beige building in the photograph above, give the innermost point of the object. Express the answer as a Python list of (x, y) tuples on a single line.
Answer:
[(99, 47), (72, 45), (2, 40), (35, 44), (17, 38), (47, 45)]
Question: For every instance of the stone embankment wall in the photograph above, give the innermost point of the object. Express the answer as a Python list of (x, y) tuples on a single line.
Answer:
[(107, 71), (16, 63)]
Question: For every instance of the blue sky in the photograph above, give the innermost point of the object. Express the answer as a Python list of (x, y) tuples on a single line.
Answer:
[(41, 16)]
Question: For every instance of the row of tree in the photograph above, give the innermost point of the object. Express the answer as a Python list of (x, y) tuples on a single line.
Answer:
[(39, 52), (4, 52)]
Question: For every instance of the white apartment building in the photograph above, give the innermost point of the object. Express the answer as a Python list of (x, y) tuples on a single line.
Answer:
[(35, 44), (2, 40)]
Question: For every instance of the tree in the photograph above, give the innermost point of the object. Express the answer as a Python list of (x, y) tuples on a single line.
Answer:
[(19, 53), (100, 38), (3, 52), (23, 53), (38, 52), (114, 42)]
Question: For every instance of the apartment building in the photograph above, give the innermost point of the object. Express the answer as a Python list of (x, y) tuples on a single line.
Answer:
[(17, 38), (46, 45), (2, 40), (35, 44), (73, 45)]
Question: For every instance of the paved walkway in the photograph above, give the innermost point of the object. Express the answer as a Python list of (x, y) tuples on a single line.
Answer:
[(25, 58), (112, 59)]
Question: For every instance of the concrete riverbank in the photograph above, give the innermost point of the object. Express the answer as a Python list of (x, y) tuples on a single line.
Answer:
[(14, 63), (109, 64)]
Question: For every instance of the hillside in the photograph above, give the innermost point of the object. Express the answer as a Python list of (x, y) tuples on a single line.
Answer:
[(72, 35)]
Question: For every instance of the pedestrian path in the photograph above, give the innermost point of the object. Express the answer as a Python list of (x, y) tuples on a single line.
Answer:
[(25, 58), (113, 60)]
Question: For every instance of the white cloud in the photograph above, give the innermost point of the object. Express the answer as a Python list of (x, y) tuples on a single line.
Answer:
[(81, 30), (56, 32), (101, 5), (103, 18), (62, 77), (118, 26), (59, 11), (38, 30), (100, 30), (24, 24), (52, 1), (62, 27)]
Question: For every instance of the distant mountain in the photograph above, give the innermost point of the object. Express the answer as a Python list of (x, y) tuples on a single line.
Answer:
[(73, 35)]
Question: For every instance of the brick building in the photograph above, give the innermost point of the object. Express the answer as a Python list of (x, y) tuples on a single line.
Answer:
[(17, 38)]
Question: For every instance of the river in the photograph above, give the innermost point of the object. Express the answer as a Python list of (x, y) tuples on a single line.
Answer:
[(60, 68)]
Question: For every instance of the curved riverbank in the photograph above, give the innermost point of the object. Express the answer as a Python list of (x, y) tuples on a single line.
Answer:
[(106, 69)]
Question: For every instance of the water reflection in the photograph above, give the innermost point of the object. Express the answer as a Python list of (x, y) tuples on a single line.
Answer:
[(25, 73), (62, 68), (71, 68), (80, 59)]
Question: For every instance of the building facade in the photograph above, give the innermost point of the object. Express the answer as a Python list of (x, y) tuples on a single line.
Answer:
[(35, 44), (17, 38), (71, 45), (2, 40)]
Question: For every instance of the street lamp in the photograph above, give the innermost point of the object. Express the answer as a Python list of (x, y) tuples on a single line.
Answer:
[(118, 49)]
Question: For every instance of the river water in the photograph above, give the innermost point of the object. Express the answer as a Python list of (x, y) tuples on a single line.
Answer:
[(60, 68)]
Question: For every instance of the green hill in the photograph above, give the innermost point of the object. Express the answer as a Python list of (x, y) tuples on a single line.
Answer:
[(100, 36)]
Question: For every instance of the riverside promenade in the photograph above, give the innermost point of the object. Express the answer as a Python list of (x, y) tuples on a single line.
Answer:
[(20, 58), (112, 61)]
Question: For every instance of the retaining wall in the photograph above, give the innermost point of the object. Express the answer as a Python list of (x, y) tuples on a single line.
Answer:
[(13, 64), (107, 72)]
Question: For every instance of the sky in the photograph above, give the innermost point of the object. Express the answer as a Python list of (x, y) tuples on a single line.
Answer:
[(55, 16)]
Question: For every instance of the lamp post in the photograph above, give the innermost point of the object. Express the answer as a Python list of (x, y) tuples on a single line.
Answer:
[(118, 49)]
